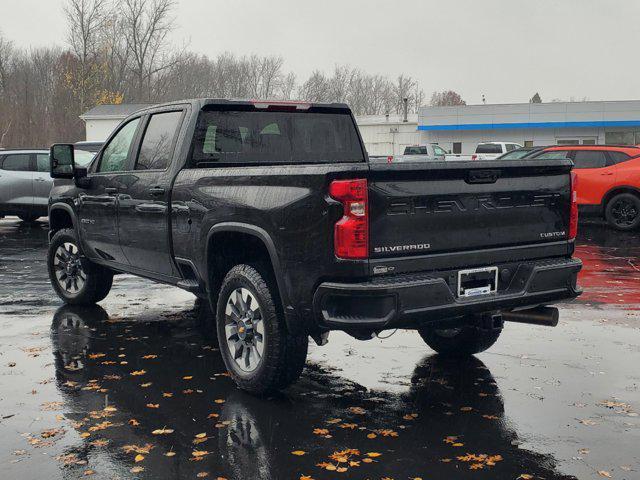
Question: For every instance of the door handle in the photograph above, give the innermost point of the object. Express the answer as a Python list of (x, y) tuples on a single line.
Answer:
[(111, 190), (39, 180), (155, 191), (607, 173)]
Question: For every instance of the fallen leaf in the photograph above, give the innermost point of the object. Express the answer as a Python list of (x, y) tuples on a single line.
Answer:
[(320, 431), (219, 400), (371, 435), (137, 470), (524, 476), (357, 410), (133, 422), (306, 477), (148, 357), (299, 453), (167, 395), (202, 474), (199, 453), (138, 458), (373, 454), (170, 454), (162, 431), (153, 405), (604, 473), (188, 377), (137, 373), (88, 473), (146, 385)]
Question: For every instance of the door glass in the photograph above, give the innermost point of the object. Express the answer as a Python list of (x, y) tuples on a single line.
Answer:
[(552, 155), (16, 162), (439, 151), (114, 158), (457, 147), (156, 149), (590, 159), (42, 162)]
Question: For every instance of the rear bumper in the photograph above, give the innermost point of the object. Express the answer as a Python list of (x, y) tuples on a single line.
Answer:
[(408, 301)]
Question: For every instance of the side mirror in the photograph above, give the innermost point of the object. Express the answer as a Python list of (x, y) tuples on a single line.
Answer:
[(61, 160)]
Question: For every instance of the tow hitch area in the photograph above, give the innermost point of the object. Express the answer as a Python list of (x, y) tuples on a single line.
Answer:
[(477, 281)]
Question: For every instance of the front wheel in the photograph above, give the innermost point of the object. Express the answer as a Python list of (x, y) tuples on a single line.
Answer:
[(259, 352), (623, 212), (75, 279), (461, 341)]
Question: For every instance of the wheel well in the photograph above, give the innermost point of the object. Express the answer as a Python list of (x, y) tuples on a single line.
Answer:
[(618, 191), (226, 249), (59, 219)]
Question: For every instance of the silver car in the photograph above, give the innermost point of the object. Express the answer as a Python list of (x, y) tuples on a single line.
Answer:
[(25, 182)]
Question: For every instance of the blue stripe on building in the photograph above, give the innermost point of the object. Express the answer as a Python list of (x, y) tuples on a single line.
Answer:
[(504, 126)]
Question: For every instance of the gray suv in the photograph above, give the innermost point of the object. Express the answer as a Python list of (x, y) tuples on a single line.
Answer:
[(25, 182)]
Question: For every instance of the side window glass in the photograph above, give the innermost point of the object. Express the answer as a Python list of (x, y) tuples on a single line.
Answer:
[(42, 162), (16, 163), (590, 159), (618, 157), (156, 149), (114, 157), (439, 151)]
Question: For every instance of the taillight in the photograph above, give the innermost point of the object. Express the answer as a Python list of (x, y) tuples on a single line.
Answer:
[(573, 216), (474, 157), (351, 232)]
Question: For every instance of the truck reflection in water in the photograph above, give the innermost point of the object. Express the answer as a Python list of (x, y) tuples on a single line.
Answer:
[(122, 379)]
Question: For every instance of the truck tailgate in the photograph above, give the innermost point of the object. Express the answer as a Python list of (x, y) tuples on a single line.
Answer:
[(434, 208)]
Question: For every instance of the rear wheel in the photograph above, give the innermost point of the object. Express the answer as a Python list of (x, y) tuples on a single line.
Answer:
[(258, 350), (460, 341), (75, 279), (623, 212)]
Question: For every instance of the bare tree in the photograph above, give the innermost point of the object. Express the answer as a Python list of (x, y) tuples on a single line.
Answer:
[(446, 98), (145, 26)]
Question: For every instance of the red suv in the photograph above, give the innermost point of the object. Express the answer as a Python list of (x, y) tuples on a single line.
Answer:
[(608, 180)]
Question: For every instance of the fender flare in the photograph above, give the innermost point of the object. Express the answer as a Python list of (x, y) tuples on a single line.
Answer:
[(67, 208), (265, 238)]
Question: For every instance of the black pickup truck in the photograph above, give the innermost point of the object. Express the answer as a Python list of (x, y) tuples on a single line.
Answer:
[(272, 212)]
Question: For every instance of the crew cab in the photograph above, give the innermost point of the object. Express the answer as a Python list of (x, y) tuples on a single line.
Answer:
[(487, 151), (608, 180), (272, 212)]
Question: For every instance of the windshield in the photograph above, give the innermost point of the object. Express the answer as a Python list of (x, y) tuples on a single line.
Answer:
[(515, 154), (82, 158)]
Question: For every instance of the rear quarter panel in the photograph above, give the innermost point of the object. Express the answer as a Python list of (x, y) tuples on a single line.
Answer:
[(289, 203)]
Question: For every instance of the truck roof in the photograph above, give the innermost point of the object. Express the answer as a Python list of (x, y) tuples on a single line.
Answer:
[(200, 103)]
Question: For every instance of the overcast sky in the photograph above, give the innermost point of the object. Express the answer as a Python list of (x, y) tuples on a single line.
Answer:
[(504, 49)]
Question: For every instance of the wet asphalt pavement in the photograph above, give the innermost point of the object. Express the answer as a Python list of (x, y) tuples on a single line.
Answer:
[(135, 388)]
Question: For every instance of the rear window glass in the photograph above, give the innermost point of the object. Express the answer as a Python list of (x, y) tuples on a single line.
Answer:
[(249, 137), (415, 151), (489, 148)]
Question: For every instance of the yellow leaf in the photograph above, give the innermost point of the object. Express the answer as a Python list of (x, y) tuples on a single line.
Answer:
[(138, 458), (137, 373), (604, 473), (153, 405), (170, 454), (201, 435), (341, 469), (188, 377), (458, 444), (134, 423), (367, 460), (148, 357), (466, 409), (202, 474), (372, 435), (299, 453), (146, 385), (167, 395), (373, 454), (219, 400), (306, 477), (137, 469), (320, 431), (525, 476), (162, 431), (199, 453), (84, 434)]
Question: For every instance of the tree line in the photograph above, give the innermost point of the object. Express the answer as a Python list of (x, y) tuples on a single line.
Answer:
[(120, 51)]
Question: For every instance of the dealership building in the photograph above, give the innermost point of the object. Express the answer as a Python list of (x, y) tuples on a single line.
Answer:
[(460, 128)]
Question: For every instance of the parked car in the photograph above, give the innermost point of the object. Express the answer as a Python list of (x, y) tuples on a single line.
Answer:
[(25, 182), (487, 151), (271, 212), (608, 180), (430, 150)]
